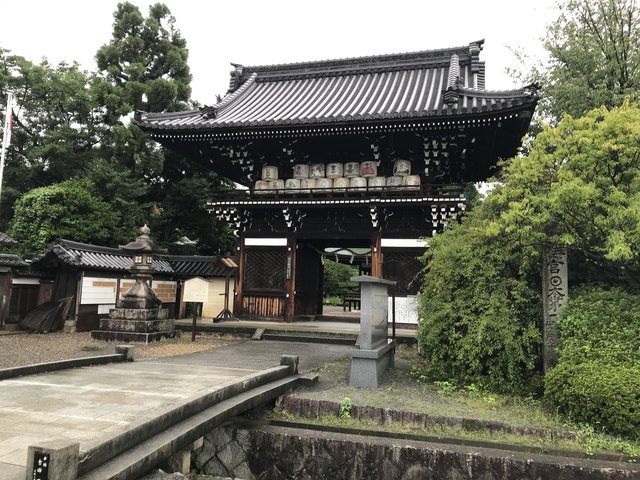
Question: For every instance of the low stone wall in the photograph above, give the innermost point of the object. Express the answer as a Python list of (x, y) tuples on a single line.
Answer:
[(261, 452), (311, 408)]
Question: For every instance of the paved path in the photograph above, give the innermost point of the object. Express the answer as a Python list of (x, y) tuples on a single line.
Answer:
[(88, 403), (311, 326)]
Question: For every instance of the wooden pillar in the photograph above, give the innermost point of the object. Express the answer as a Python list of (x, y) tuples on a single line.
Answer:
[(239, 282), (290, 279), (376, 255)]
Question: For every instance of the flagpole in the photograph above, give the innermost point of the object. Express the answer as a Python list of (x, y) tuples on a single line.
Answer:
[(6, 136)]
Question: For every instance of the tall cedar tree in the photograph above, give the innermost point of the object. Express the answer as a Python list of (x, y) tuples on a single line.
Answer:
[(144, 68)]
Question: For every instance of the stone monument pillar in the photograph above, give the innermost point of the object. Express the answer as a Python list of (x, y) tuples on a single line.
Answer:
[(376, 351), (138, 316), (555, 292)]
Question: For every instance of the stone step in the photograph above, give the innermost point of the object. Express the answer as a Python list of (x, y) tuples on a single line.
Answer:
[(149, 453), (310, 337)]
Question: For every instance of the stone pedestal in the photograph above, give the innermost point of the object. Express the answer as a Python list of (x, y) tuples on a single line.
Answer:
[(138, 318), (376, 352)]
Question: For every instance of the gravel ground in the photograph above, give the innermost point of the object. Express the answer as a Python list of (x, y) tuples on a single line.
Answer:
[(30, 348)]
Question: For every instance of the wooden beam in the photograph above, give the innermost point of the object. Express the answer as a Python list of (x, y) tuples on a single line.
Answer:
[(376, 255), (290, 279)]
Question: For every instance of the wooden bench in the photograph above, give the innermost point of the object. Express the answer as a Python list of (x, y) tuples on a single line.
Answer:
[(350, 300)]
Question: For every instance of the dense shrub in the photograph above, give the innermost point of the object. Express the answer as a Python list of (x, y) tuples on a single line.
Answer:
[(478, 311), (597, 379), (600, 324), (602, 394)]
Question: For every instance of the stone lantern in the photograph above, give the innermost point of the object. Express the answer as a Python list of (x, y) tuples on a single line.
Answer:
[(140, 295), (138, 316)]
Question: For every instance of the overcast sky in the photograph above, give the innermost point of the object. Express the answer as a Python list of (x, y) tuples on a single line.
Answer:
[(258, 32)]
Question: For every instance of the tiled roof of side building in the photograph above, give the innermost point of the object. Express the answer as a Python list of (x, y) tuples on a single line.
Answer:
[(196, 266), (96, 257), (12, 260), (428, 84), (6, 240), (84, 255)]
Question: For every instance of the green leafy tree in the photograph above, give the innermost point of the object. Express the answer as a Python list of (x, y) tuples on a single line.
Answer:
[(181, 211), (579, 186), (337, 278), (594, 57), (69, 209), (55, 126), (125, 195)]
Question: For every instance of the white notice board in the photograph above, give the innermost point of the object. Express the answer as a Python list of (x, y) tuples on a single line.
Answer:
[(406, 309), (196, 290)]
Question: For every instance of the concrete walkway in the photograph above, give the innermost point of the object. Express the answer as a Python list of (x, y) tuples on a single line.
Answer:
[(91, 403), (311, 326)]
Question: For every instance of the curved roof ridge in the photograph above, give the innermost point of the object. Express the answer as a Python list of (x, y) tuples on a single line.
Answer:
[(183, 113), (423, 54), (67, 244), (228, 99), (516, 92)]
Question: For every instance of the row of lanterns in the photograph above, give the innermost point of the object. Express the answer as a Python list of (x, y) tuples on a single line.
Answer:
[(338, 177)]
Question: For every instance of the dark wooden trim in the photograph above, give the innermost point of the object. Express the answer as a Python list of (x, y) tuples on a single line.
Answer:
[(238, 302), (376, 255), (290, 279)]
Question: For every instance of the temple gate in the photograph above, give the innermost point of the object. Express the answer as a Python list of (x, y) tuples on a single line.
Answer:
[(345, 153)]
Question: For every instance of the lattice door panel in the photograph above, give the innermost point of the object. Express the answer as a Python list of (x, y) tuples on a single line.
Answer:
[(264, 270)]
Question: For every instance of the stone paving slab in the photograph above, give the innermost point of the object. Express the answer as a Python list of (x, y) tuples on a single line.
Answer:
[(87, 403)]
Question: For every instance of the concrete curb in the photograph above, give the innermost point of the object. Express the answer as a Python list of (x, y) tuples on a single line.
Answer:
[(102, 452), (7, 373)]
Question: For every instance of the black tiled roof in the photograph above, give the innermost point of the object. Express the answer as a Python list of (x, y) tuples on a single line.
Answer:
[(6, 240), (191, 266), (436, 83), (95, 257), (12, 260)]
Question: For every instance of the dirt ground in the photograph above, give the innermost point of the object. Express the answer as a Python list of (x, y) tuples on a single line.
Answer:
[(30, 348)]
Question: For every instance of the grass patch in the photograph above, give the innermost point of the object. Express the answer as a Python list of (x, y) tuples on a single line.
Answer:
[(404, 388), (595, 444)]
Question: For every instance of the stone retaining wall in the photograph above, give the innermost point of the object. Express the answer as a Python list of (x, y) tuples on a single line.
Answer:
[(265, 452), (311, 408)]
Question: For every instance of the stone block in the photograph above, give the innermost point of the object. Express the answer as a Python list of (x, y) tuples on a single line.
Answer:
[(367, 366), (291, 361), (231, 455), (199, 443), (180, 462), (138, 313), (134, 325), (129, 352), (53, 460), (70, 326), (243, 471), (111, 336)]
